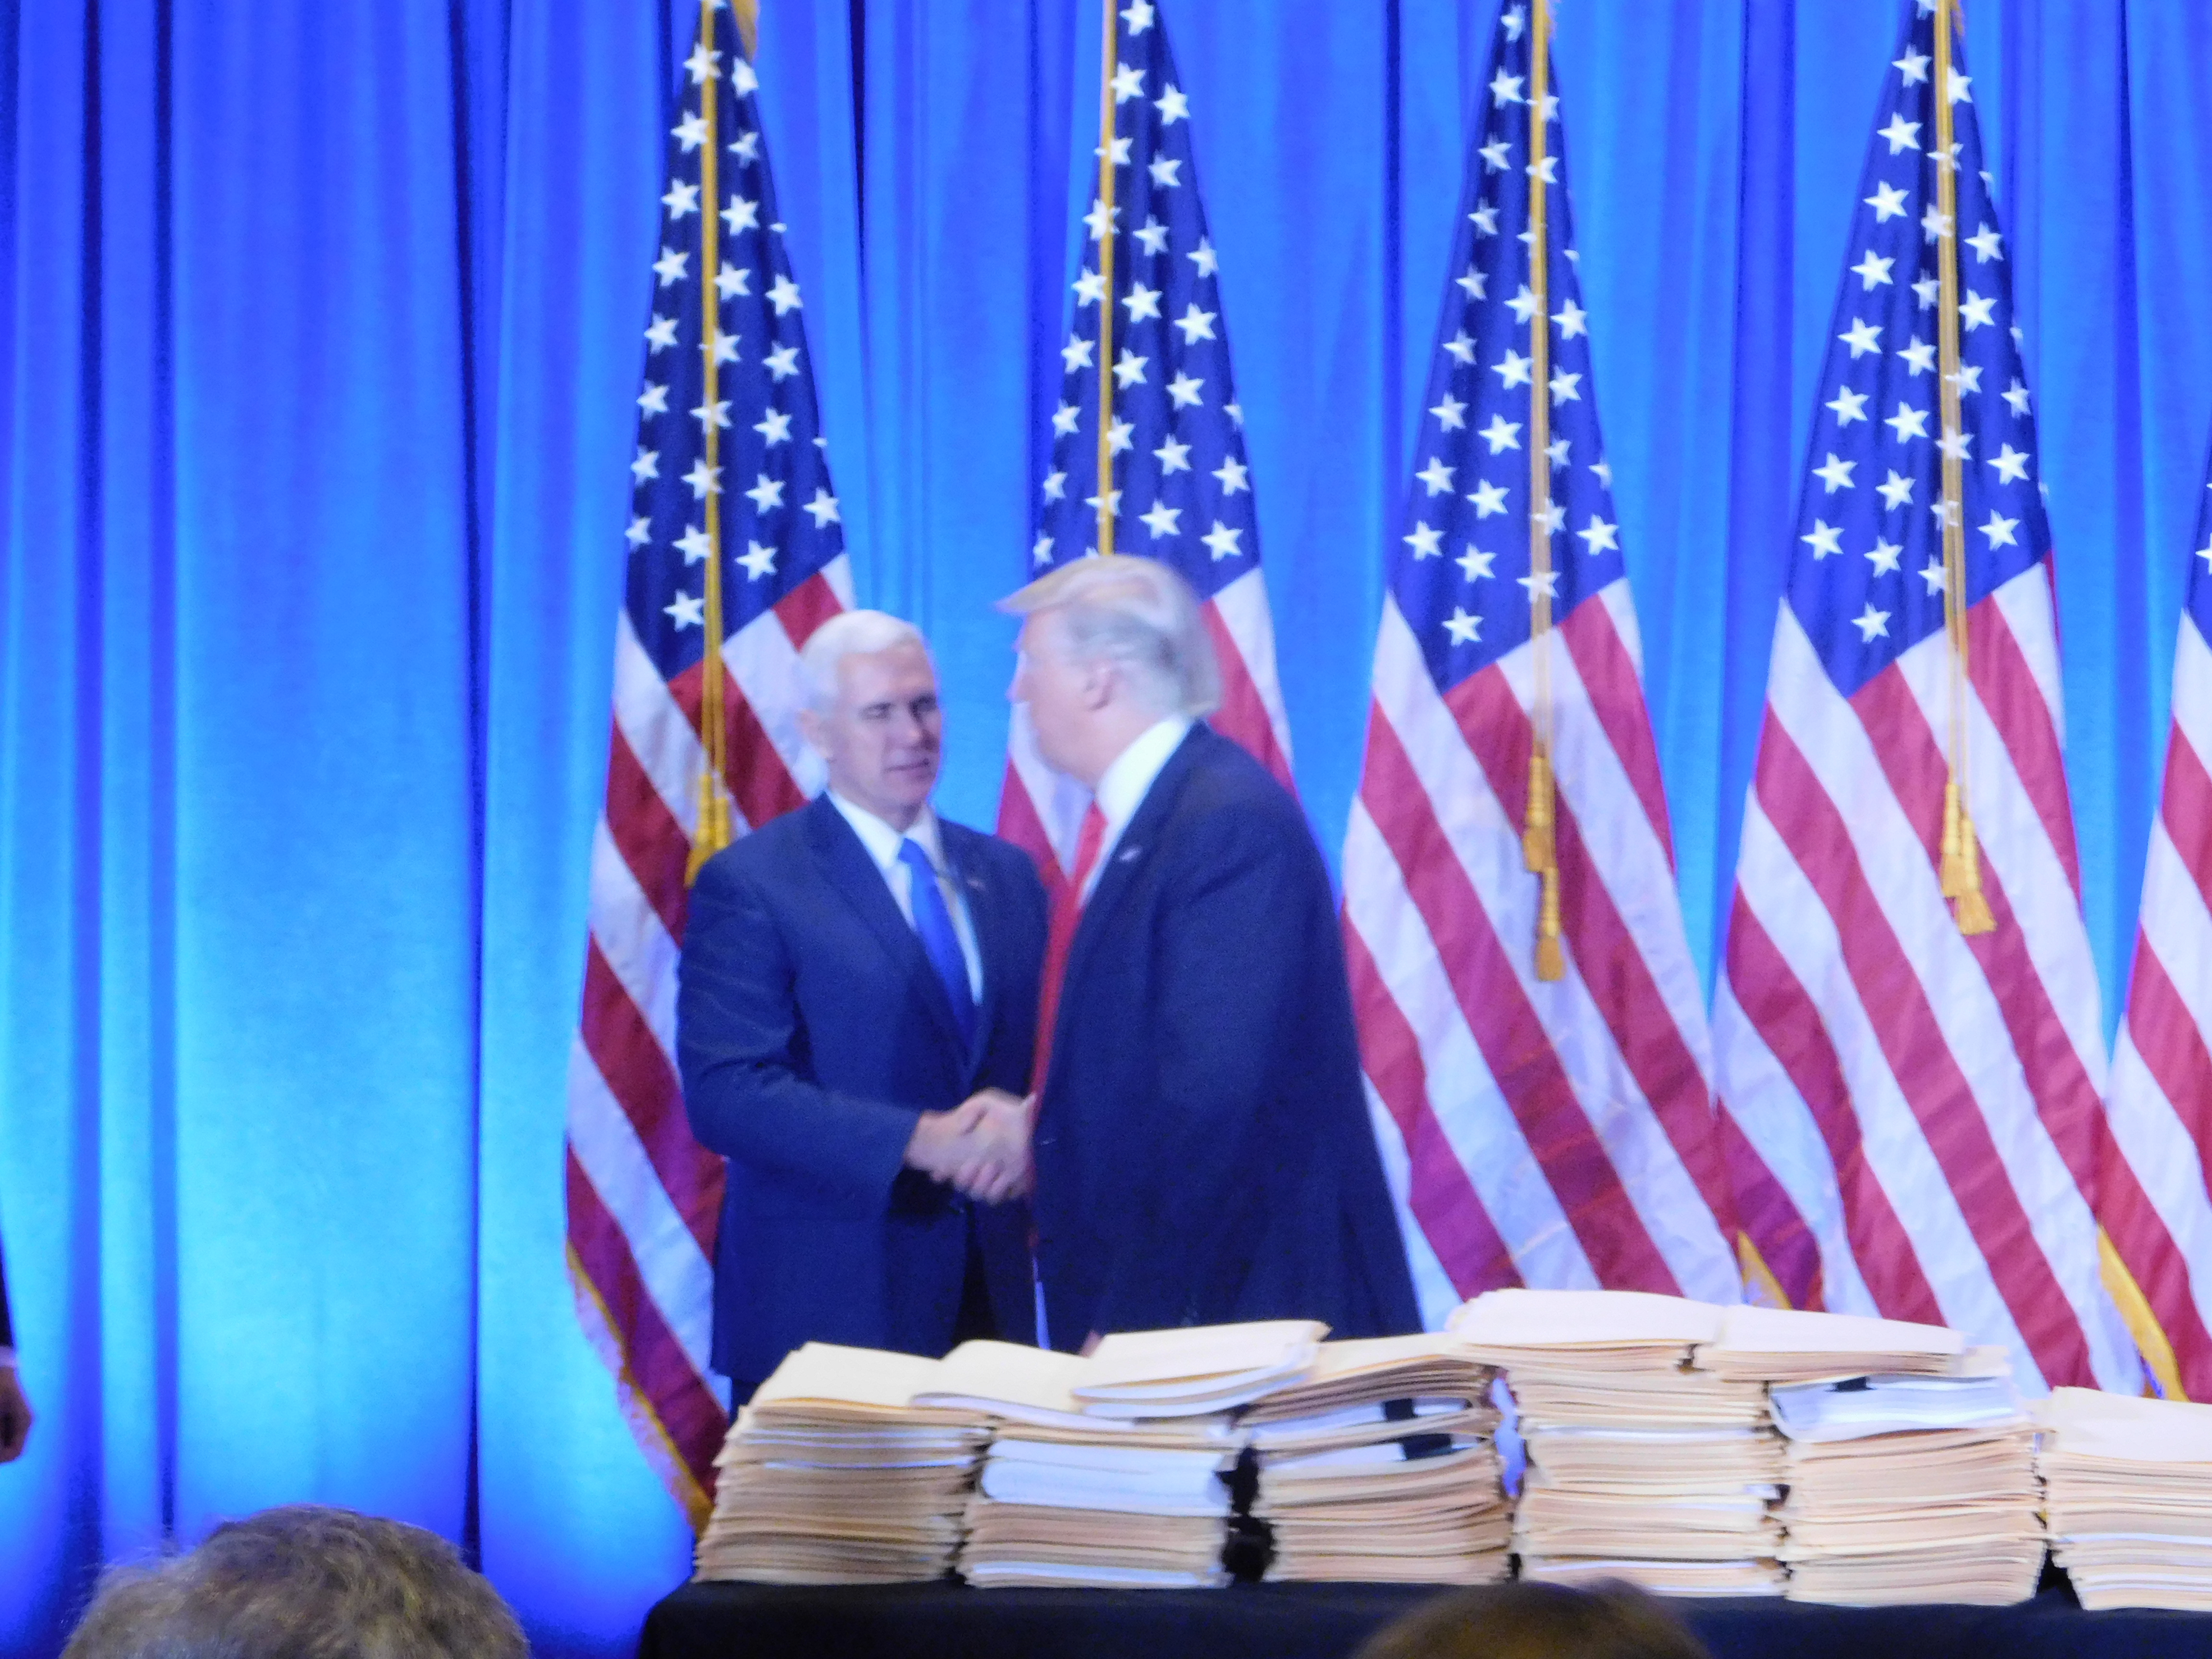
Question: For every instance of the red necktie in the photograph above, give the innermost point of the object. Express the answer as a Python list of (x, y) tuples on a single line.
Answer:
[(1061, 940)]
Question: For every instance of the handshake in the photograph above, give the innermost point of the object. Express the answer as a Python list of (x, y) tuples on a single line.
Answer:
[(982, 1146)]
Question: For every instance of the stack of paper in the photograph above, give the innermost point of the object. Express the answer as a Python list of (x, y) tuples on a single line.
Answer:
[(1069, 1496), (1197, 1370), (1380, 1466), (2129, 1497), (1778, 1346), (1639, 1467), (1909, 1488), (835, 1475)]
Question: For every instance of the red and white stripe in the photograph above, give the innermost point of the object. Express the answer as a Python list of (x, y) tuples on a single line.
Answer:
[(1558, 1135), (2153, 1202), (644, 1198), (1914, 1116), (1041, 812)]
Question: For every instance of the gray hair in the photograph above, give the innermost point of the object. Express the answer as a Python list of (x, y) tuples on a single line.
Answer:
[(301, 1582), (848, 633), (1139, 615)]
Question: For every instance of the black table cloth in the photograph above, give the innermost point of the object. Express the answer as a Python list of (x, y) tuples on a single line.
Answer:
[(1327, 1621)]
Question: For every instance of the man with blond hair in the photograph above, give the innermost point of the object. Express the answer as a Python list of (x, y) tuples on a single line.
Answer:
[(856, 1008), (1201, 1144)]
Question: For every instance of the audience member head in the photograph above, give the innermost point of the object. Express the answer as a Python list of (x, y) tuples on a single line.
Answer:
[(302, 1581), (1537, 1621), (1109, 646), (872, 713)]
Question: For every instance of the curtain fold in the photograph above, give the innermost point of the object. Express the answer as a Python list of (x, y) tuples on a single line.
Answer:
[(320, 332)]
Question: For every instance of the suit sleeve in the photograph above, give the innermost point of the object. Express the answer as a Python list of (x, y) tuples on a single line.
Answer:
[(1229, 965), (743, 1052)]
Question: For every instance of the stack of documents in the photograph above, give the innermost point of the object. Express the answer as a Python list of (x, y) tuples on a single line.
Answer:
[(1382, 1466), (1114, 1471), (2129, 1497), (1640, 1468), (835, 1475), (1199, 1369), (1907, 1488), (1780, 1345)]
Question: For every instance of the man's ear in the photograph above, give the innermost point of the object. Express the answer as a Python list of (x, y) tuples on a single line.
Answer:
[(815, 730), (1101, 678)]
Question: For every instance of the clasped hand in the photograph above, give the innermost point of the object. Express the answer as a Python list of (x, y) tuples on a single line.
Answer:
[(980, 1146)]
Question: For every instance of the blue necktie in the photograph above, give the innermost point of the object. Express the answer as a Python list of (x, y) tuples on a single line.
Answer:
[(934, 922)]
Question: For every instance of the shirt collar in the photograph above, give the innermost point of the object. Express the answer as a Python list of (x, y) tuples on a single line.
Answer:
[(1124, 784), (883, 842)]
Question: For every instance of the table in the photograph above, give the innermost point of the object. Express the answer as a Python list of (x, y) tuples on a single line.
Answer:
[(1327, 1621)]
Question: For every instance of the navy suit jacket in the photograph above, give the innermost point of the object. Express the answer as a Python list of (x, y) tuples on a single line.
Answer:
[(1203, 1151), (812, 1032)]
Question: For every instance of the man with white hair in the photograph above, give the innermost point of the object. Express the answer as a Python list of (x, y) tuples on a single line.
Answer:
[(856, 1011), (1201, 1144)]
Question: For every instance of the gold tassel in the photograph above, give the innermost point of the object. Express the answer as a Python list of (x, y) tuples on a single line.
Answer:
[(714, 833), (1551, 960), (1973, 910), (1953, 865), (1537, 851)]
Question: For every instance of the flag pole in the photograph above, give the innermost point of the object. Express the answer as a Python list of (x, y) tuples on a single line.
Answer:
[(1539, 838), (1961, 873), (1106, 53), (713, 832)]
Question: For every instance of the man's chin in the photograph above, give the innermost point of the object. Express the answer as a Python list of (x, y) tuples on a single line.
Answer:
[(911, 788)]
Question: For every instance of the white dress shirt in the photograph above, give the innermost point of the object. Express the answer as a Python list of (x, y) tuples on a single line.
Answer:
[(883, 843), (1123, 786)]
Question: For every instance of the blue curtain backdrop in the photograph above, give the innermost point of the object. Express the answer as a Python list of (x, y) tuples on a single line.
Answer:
[(321, 330)]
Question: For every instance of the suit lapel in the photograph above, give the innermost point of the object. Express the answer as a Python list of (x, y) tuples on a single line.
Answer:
[(981, 896), (853, 874), (1132, 851)]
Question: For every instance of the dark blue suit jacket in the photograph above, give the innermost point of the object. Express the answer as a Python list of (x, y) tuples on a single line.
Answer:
[(1203, 1151), (811, 1032)]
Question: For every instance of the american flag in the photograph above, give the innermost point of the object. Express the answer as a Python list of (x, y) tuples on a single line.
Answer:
[(1919, 1102), (1556, 1131), (1179, 488), (730, 482), (2159, 1215)]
